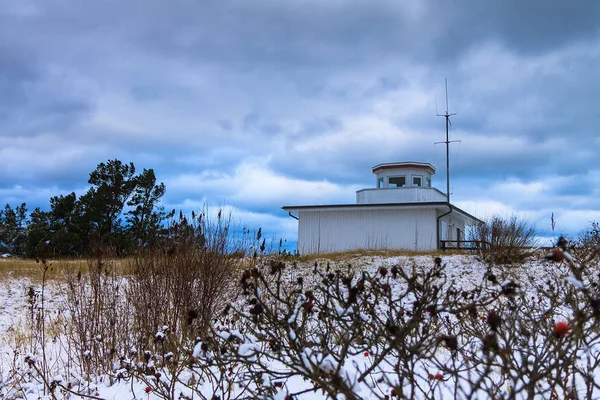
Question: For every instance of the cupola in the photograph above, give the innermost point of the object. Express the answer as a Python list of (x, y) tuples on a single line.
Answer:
[(403, 175), (401, 182)]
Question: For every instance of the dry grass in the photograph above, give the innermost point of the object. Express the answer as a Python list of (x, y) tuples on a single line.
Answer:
[(28, 268), (14, 268), (347, 255)]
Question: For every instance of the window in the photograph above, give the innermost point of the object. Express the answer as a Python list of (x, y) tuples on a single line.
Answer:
[(417, 181), (379, 183), (397, 181), (427, 181)]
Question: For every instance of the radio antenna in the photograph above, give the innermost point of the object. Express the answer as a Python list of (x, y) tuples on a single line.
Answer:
[(447, 115)]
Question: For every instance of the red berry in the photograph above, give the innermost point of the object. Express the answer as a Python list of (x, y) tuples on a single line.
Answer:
[(556, 255), (431, 376), (439, 377), (393, 392), (561, 329), (366, 354), (148, 389)]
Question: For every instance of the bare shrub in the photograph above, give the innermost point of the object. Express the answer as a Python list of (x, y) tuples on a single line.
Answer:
[(586, 246), (174, 292), (401, 332), (181, 284), (99, 331), (505, 241)]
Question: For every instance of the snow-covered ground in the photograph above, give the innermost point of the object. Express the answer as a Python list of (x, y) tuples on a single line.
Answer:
[(17, 327)]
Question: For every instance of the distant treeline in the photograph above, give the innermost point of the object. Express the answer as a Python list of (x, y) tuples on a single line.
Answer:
[(121, 210)]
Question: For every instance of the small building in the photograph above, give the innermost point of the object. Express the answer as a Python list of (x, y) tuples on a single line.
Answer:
[(402, 211)]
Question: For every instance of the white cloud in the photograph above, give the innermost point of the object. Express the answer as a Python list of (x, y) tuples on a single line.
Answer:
[(575, 221), (256, 185)]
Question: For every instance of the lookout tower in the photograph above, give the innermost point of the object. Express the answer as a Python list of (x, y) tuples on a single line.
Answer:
[(401, 182)]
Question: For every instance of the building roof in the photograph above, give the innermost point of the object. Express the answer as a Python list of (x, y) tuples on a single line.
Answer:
[(344, 207), (407, 164)]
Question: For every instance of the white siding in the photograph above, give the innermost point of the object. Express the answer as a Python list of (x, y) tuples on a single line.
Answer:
[(333, 231), (399, 195), (449, 225)]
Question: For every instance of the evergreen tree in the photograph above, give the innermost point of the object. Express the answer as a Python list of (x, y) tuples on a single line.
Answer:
[(66, 221), (73, 226), (102, 206), (38, 232), (13, 229), (146, 218)]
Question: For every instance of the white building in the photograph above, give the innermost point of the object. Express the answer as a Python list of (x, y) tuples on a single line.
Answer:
[(403, 211)]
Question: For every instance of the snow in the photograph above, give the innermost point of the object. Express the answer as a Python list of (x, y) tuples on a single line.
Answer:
[(224, 335), (463, 271), (197, 353), (292, 334), (575, 282), (507, 282), (248, 349)]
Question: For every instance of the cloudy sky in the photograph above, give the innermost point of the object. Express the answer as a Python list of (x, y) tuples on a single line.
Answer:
[(257, 104)]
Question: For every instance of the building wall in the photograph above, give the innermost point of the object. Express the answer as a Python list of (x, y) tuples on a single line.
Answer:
[(449, 226), (336, 231), (399, 195)]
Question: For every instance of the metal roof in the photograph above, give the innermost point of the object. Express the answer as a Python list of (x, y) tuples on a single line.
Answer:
[(340, 207), (404, 164)]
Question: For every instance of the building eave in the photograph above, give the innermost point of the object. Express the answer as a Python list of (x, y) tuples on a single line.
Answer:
[(381, 206)]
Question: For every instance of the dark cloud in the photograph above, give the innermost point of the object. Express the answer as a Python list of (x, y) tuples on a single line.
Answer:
[(528, 26), (15, 66), (306, 95)]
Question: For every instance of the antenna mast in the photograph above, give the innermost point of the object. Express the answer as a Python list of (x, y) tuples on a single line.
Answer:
[(447, 142)]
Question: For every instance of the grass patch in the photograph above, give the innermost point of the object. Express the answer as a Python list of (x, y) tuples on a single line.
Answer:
[(14, 268), (347, 255), (28, 268)]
